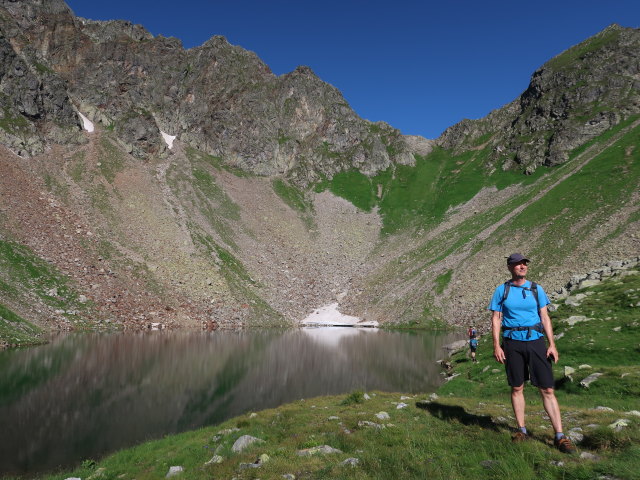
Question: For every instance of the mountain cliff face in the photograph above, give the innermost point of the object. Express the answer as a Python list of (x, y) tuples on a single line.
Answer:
[(275, 198), (218, 98), (571, 99)]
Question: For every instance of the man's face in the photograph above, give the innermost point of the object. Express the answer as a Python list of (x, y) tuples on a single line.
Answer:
[(519, 269)]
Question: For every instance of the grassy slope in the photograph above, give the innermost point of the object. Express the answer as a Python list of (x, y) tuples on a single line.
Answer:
[(23, 278), (553, 225), (464, 433)]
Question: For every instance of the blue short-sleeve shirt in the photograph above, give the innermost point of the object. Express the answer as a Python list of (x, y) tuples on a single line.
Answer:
[(519, 309)]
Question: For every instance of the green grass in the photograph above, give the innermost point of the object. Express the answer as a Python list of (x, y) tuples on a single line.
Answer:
[(198, 157), (16, 331), (421, 195), (14, 125), (570, 58), (585, 200), (25, 278), (296, 199), (111, 160)]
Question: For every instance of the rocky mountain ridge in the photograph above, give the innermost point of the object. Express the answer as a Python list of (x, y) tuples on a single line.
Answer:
[(218, 98), (275, 198), (571, 99)]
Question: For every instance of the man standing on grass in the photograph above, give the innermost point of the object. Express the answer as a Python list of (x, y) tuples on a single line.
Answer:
[(519, 308)]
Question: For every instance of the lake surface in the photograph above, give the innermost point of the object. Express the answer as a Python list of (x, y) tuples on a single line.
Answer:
[(83, 396)]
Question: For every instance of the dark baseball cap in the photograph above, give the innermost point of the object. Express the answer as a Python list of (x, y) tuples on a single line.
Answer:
[(516, 258)]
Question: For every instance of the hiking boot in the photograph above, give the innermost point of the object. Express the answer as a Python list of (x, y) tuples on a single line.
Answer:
[(564, 445), (519, 437)]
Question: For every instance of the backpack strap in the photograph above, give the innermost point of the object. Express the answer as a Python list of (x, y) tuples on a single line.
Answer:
[(505, 294)]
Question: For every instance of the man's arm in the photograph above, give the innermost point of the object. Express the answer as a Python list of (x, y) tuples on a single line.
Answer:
[(496, 323), (552, 352)]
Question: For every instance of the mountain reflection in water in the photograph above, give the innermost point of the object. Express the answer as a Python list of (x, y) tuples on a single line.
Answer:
[(82, 396)]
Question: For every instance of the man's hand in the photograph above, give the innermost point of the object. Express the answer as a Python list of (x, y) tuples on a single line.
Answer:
[(552, 353), (498, 354)]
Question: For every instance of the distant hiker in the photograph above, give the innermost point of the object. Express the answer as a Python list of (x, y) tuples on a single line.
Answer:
[(472, 331), (522, 348), (473, 346)]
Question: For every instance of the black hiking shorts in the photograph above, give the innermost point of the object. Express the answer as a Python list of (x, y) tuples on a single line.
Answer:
[(527, 361)]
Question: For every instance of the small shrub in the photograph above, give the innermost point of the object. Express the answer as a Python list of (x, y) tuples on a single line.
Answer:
[(353, 397), (604, 438)]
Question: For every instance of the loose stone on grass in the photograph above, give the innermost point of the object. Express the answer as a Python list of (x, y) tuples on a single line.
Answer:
[(243, 442), (323, 450), (382, 416), (352, 462), (215, 459), (590, 379), (604, 409), (589, 456), (619, 424), (173, 471), (366, 423)]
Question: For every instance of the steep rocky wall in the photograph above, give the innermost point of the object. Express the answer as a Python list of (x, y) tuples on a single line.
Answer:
[(218, 98), (571, 99)]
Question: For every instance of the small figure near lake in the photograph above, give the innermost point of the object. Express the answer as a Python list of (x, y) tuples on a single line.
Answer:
[(473, 342), (519, 324)]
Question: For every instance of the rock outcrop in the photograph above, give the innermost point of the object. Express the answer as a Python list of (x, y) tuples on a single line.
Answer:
[(218, 98), (571, 99)]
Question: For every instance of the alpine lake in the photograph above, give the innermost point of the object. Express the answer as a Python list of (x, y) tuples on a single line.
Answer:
[(82, 396)]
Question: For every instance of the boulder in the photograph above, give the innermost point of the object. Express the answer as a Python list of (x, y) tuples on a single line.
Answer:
[(590, 379), (321, 450), (243, 442)]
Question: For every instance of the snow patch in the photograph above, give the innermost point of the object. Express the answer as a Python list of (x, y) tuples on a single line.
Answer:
[(86, 123), (168, 139), (330, 316)]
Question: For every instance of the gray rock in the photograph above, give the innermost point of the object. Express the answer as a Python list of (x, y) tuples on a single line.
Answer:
[(575, 436), (351, 462), (401, 406), (603, 409), (243, 442), (572, 320), (173, 471), (321, 450), (289, 476), (575, 300), (588, 283), (619, 424), (590, 379), (215, 459), (382, 416), (366, 423), (589, 456)]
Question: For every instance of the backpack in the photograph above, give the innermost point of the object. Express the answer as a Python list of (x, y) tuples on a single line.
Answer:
[(473, 343), (534, 290)]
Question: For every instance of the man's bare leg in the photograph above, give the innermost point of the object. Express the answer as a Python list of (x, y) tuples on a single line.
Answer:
[(518, 404), (552, 408)]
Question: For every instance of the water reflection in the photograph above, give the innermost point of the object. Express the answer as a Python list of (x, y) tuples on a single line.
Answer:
[(82, 396)]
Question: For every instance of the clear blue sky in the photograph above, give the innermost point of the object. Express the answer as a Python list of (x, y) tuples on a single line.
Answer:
[(420, 66)]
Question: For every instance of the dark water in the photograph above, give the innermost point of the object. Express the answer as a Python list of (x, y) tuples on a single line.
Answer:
[(83, 396)]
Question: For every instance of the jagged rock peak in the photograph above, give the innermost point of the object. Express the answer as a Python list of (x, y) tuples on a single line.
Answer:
[(573, 97)]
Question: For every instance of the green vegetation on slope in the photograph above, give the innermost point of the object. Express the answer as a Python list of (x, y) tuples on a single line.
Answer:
[(575, 208), (24, 278), (464, 433), (296, 199), (15, 330), (420, 196)]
